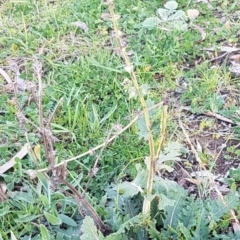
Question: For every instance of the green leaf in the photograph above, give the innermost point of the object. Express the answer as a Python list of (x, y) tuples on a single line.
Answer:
[(171, 5), (44, 232), (171, 153), (177, 16), (89, 230), (151, 22), (163, 14), (116, 236), (4, 210), (26, 218), (67, 220), (52, 219), (185, 232), (44, 181), (141, 124), (165, 202), (128, 189), (44, 200), (108, 115)]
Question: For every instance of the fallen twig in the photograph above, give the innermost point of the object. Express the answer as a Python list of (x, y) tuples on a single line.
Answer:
[(6, 76), (23, 152), (210, 114)]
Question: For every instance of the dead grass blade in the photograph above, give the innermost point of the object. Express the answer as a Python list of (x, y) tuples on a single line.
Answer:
[(23, 152)]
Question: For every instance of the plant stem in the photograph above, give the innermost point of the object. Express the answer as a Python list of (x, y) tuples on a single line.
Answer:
[(129, 68)]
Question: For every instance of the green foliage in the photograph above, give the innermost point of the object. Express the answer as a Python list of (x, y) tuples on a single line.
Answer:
[(175, 215), (168, 18), (89, 230), (84, 69)]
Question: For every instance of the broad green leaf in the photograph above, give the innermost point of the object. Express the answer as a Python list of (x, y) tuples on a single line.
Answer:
[(142, 175), (23, 196), (23, 219), (163, 14), (177, 15), (151, 22), (171, 5), (44, 200), (116, 236), (44, 232), (180, 25), (67, 220), (129, 189), (164, 202), (52, 219), (89, 230)]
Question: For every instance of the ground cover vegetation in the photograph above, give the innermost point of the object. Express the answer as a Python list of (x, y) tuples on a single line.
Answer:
[(119, 119)]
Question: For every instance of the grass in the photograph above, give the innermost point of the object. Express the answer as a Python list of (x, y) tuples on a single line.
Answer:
[(84, 69)]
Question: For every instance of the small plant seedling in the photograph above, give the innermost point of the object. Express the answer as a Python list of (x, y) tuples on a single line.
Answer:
[(170, 17)]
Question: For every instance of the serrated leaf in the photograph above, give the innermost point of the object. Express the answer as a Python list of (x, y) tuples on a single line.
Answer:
[(151, 22), (89, 230), (171, 5), (52, 219), (142, 129), (67, 220), (170, 153), (44, 232), (185, 232)]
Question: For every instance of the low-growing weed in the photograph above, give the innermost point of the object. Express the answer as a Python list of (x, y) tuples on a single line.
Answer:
[(106, 146)]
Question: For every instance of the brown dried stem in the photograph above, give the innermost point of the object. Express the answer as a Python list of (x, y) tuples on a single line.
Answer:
[(130, 69)]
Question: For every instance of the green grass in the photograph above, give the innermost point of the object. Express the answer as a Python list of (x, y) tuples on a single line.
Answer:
[(84, 69)]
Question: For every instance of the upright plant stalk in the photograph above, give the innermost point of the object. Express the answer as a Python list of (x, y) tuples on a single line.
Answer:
[(129, 68)]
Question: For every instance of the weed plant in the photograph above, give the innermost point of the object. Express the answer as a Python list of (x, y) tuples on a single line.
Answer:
[(97, 170)]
